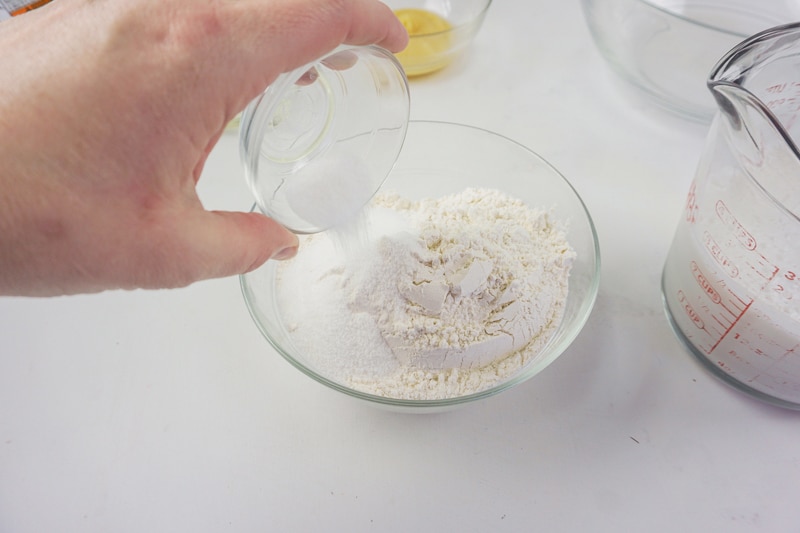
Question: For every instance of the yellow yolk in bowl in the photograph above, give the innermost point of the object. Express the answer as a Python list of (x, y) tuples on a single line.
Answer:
[(429, 45)]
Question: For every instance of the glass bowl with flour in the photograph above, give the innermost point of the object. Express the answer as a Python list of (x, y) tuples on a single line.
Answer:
[(474, 267)]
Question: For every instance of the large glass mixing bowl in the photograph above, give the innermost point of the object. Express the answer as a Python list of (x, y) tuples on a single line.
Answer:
[(665, 49), (438, 159)]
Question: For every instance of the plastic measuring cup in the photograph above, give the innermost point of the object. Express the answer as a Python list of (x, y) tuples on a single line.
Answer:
[(320, 141), (731, 281)]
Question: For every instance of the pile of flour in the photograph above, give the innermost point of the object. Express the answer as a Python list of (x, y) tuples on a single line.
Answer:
[(428, 300)]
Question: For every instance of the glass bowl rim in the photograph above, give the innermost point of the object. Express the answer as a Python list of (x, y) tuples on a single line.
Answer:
[(689, 20), (472, 21)]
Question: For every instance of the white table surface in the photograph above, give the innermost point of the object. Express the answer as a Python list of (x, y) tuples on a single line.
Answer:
[(167, 410)]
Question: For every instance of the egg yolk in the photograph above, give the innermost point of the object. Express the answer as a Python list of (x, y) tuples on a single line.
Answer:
[(428, 48)]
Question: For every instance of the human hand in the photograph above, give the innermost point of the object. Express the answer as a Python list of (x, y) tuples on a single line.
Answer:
[(108, 110)]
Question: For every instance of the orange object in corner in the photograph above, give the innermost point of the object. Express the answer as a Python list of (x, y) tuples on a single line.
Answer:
[(20, 9)]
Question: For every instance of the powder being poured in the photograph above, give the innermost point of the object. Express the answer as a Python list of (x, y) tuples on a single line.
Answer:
[(327, 192), (440, 298)]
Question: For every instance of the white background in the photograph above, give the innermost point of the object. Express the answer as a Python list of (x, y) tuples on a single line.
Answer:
[(167, 410)]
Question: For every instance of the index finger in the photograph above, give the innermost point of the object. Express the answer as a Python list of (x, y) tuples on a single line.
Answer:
[(293, 33)]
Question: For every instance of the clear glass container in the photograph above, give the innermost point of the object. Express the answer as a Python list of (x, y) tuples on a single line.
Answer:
[(320, 141), (665, 49), (731, 280), (439, 159)]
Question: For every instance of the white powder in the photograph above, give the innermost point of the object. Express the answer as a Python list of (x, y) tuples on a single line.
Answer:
[(439, 298), (328, 191)]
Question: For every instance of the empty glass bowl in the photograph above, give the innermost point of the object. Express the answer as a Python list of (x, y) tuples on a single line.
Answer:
[(439, 159), (666, 48), (439, 30)]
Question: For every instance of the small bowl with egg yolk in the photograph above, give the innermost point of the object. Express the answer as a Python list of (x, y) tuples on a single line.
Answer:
[(438, 30)]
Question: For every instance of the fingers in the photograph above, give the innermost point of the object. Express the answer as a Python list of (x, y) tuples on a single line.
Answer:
[(219, 244), (356, 22), (339, 61), (384, 29), (285, 34)]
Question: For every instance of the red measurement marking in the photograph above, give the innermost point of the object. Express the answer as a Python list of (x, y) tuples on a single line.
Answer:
[(777, 88), (690, 312), (780, 289), (741, 234), (772, 104), (763, 268), (705, 284), (691, 204), (716, 252), (733, 324)]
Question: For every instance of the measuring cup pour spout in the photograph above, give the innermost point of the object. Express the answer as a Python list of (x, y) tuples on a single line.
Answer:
[(731, 280), (759, 102)]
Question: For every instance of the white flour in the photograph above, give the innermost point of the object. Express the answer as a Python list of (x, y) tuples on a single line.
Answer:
[(440, 298)]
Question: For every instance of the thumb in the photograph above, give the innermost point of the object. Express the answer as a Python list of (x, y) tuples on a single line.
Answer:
[(225, 243)]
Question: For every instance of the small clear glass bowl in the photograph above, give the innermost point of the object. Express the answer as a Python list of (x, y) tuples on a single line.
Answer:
[(665, 49), (429, 51), (438, 159), (320, 140)]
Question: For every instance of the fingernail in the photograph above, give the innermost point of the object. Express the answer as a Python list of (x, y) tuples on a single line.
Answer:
[(285, 253)]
